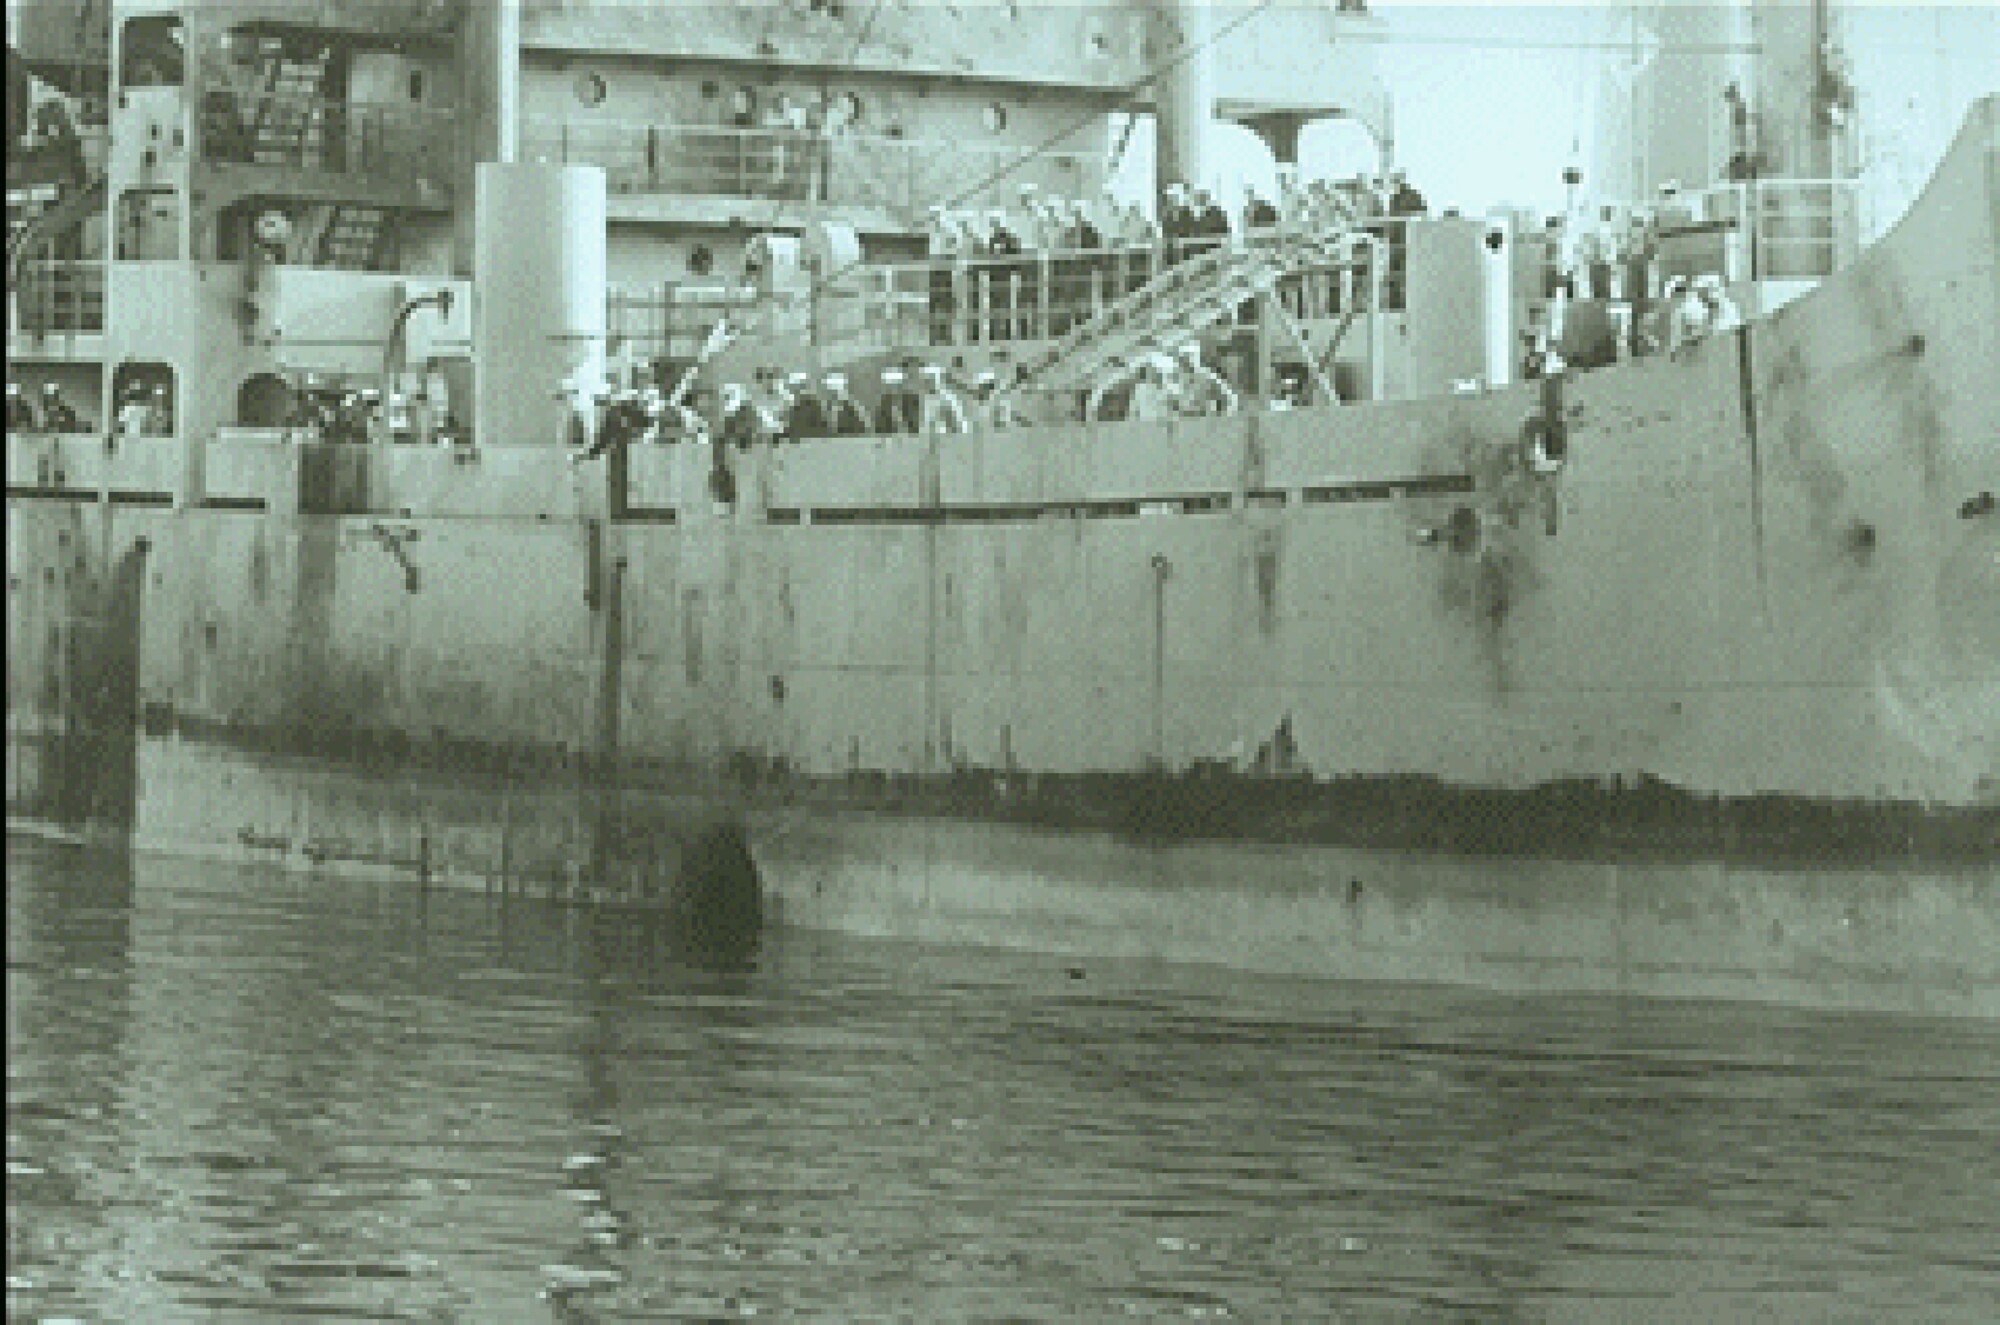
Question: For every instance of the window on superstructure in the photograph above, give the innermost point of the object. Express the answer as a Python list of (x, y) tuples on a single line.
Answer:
[(151, 54), (591, 89)]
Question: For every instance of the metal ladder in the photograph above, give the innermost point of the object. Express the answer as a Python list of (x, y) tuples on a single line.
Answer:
[(1182, 301)]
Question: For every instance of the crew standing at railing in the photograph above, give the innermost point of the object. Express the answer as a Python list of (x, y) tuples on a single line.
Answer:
[(845, 416), (808, 418), (1689, 322), (1199, 389), (1207, 224), (1067, 272), (134, 412), (739, 418), (1003, 252), (1722, 312), (897, 411), (940, 409), (1258, 213), (1176, 222), (941, 305), (1138, 237), (1152, 396), (1638, 266), (1404, 199), (1096, 269), (20, 414), (57, 416)]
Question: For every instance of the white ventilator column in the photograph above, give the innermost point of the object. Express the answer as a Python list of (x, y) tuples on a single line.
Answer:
[(538, 318), (1497, 301)]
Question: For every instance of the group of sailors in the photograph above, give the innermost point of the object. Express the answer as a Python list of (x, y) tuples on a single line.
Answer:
[(50, 414), (1687, 312), (1040, 267), (912, 398), (1001, 268), (356, 416), (144, 410), (1158, 385)]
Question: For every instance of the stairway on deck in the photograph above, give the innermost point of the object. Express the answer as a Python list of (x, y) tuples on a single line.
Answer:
[(1182, 301)]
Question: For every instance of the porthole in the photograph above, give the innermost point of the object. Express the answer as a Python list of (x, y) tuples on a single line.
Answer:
[(849, 105), (710, 89), (995, 117), (591, 89), (701, 260)]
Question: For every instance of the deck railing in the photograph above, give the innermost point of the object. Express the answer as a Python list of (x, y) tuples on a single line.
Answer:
[(798, 165), (56, 296), (1797, 229), (935, 303)]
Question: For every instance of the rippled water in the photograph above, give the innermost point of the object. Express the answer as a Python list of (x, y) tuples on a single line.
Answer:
[(237, 1095)]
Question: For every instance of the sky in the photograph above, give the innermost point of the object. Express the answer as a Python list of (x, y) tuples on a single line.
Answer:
[(1494, 100)]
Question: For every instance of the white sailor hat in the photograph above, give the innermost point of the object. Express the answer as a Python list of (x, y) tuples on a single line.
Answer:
[(1189, 349), (797, 379), (51, 389), (1708, 283), (892, 374), (933, 373), (997, 214), (1029, 188), (732, 392), (835, 380), (987, 375), (13, 388), (1676, 284)]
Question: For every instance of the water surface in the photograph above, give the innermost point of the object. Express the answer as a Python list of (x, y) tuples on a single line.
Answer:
[(236, 1095)]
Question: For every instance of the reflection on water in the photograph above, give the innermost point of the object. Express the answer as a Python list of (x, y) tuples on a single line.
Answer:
[(235, 1095)]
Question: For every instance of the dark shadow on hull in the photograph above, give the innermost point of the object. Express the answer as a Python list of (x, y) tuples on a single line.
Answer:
[(719, 918), (1215, 803)]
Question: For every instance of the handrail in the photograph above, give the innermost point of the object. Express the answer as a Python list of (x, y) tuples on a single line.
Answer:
[(944, 302), (56, 295), (788, 164), (1771, 212)]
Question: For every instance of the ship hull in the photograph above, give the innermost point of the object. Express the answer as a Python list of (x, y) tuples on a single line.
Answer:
[(1813, 925), (1714, 708)]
